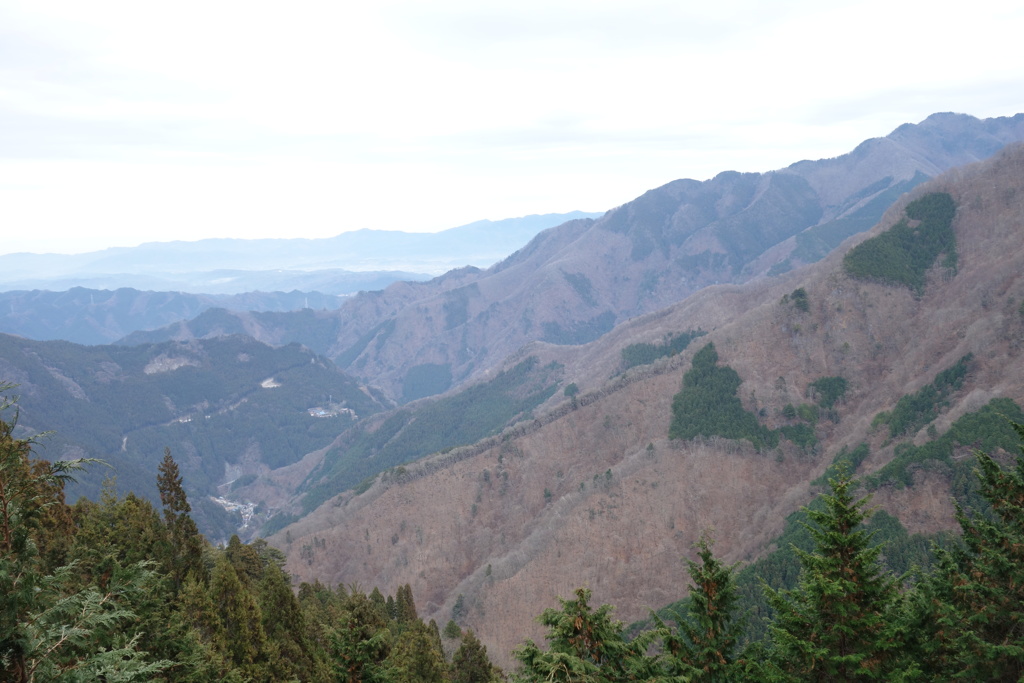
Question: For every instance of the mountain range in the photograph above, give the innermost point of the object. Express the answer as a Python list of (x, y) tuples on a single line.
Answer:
[(577, 281), (580, 412), (901, 384), (345, 264)]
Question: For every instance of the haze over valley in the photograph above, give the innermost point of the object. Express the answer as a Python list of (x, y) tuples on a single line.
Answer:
[(577, 398)]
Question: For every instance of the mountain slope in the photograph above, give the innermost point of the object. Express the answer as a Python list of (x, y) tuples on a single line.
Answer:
[(227, 408), (573, 283), (593, 492)]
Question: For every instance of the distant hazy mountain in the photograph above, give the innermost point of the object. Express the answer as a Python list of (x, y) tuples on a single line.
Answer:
[(362, 260), (100, 316), (575, 282)]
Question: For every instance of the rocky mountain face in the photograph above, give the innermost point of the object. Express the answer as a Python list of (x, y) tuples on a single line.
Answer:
[(592, 491), (576, 282)]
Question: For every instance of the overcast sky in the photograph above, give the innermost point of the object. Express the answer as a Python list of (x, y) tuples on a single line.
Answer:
[(132, 121)]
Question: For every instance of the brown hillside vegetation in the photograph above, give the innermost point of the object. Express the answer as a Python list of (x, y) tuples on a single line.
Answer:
[(598, 496), (575, 282)]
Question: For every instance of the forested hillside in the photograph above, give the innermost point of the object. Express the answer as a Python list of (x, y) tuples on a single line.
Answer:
[(563, 467), (115, 590), (231, 407), (576, 282), (628, 463)]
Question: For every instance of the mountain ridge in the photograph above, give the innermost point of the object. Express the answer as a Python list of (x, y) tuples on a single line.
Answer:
[(575, 282), (233, 266), (594, 493)]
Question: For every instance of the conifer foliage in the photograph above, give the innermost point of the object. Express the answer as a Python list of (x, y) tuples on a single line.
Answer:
[(972, 627), (837, 625), (704, 648), (112, 591)]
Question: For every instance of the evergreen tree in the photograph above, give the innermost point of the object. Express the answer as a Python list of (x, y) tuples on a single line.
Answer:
[(361, 641), (186, 550), (452, 630), (285, 626), (405, 606), (838, 624), (584, 645), (704, 648), (470, 663), (416, 656), (243, 637), (969, 618), (52, 627)]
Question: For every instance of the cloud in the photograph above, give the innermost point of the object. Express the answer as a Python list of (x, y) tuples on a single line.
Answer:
[(146, 122)]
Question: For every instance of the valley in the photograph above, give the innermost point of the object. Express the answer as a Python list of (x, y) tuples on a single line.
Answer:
[(582, 412)]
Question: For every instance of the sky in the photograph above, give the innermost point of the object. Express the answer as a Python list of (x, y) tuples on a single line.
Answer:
[(124, 122)]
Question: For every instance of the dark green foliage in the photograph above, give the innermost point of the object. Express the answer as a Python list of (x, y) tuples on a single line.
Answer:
[(360, 642), (801, 434), (837, 625), (704, 649), (426, 380), (986, 429), (470, 663), (184, 548), (816, 242), (405, 606), (111, 591), (54, 622), (964, 618), (781, 569), (459, 608), (584, 644), (846, 460), (903, 254), (645, 354), (416, 656), (800, 300), (452, 630), (110, 407), (707, 405), (413, 432), (829, 390), (808, 413), (914, 411)]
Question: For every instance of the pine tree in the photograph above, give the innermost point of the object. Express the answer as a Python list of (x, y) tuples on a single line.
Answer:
[(838, 624)]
